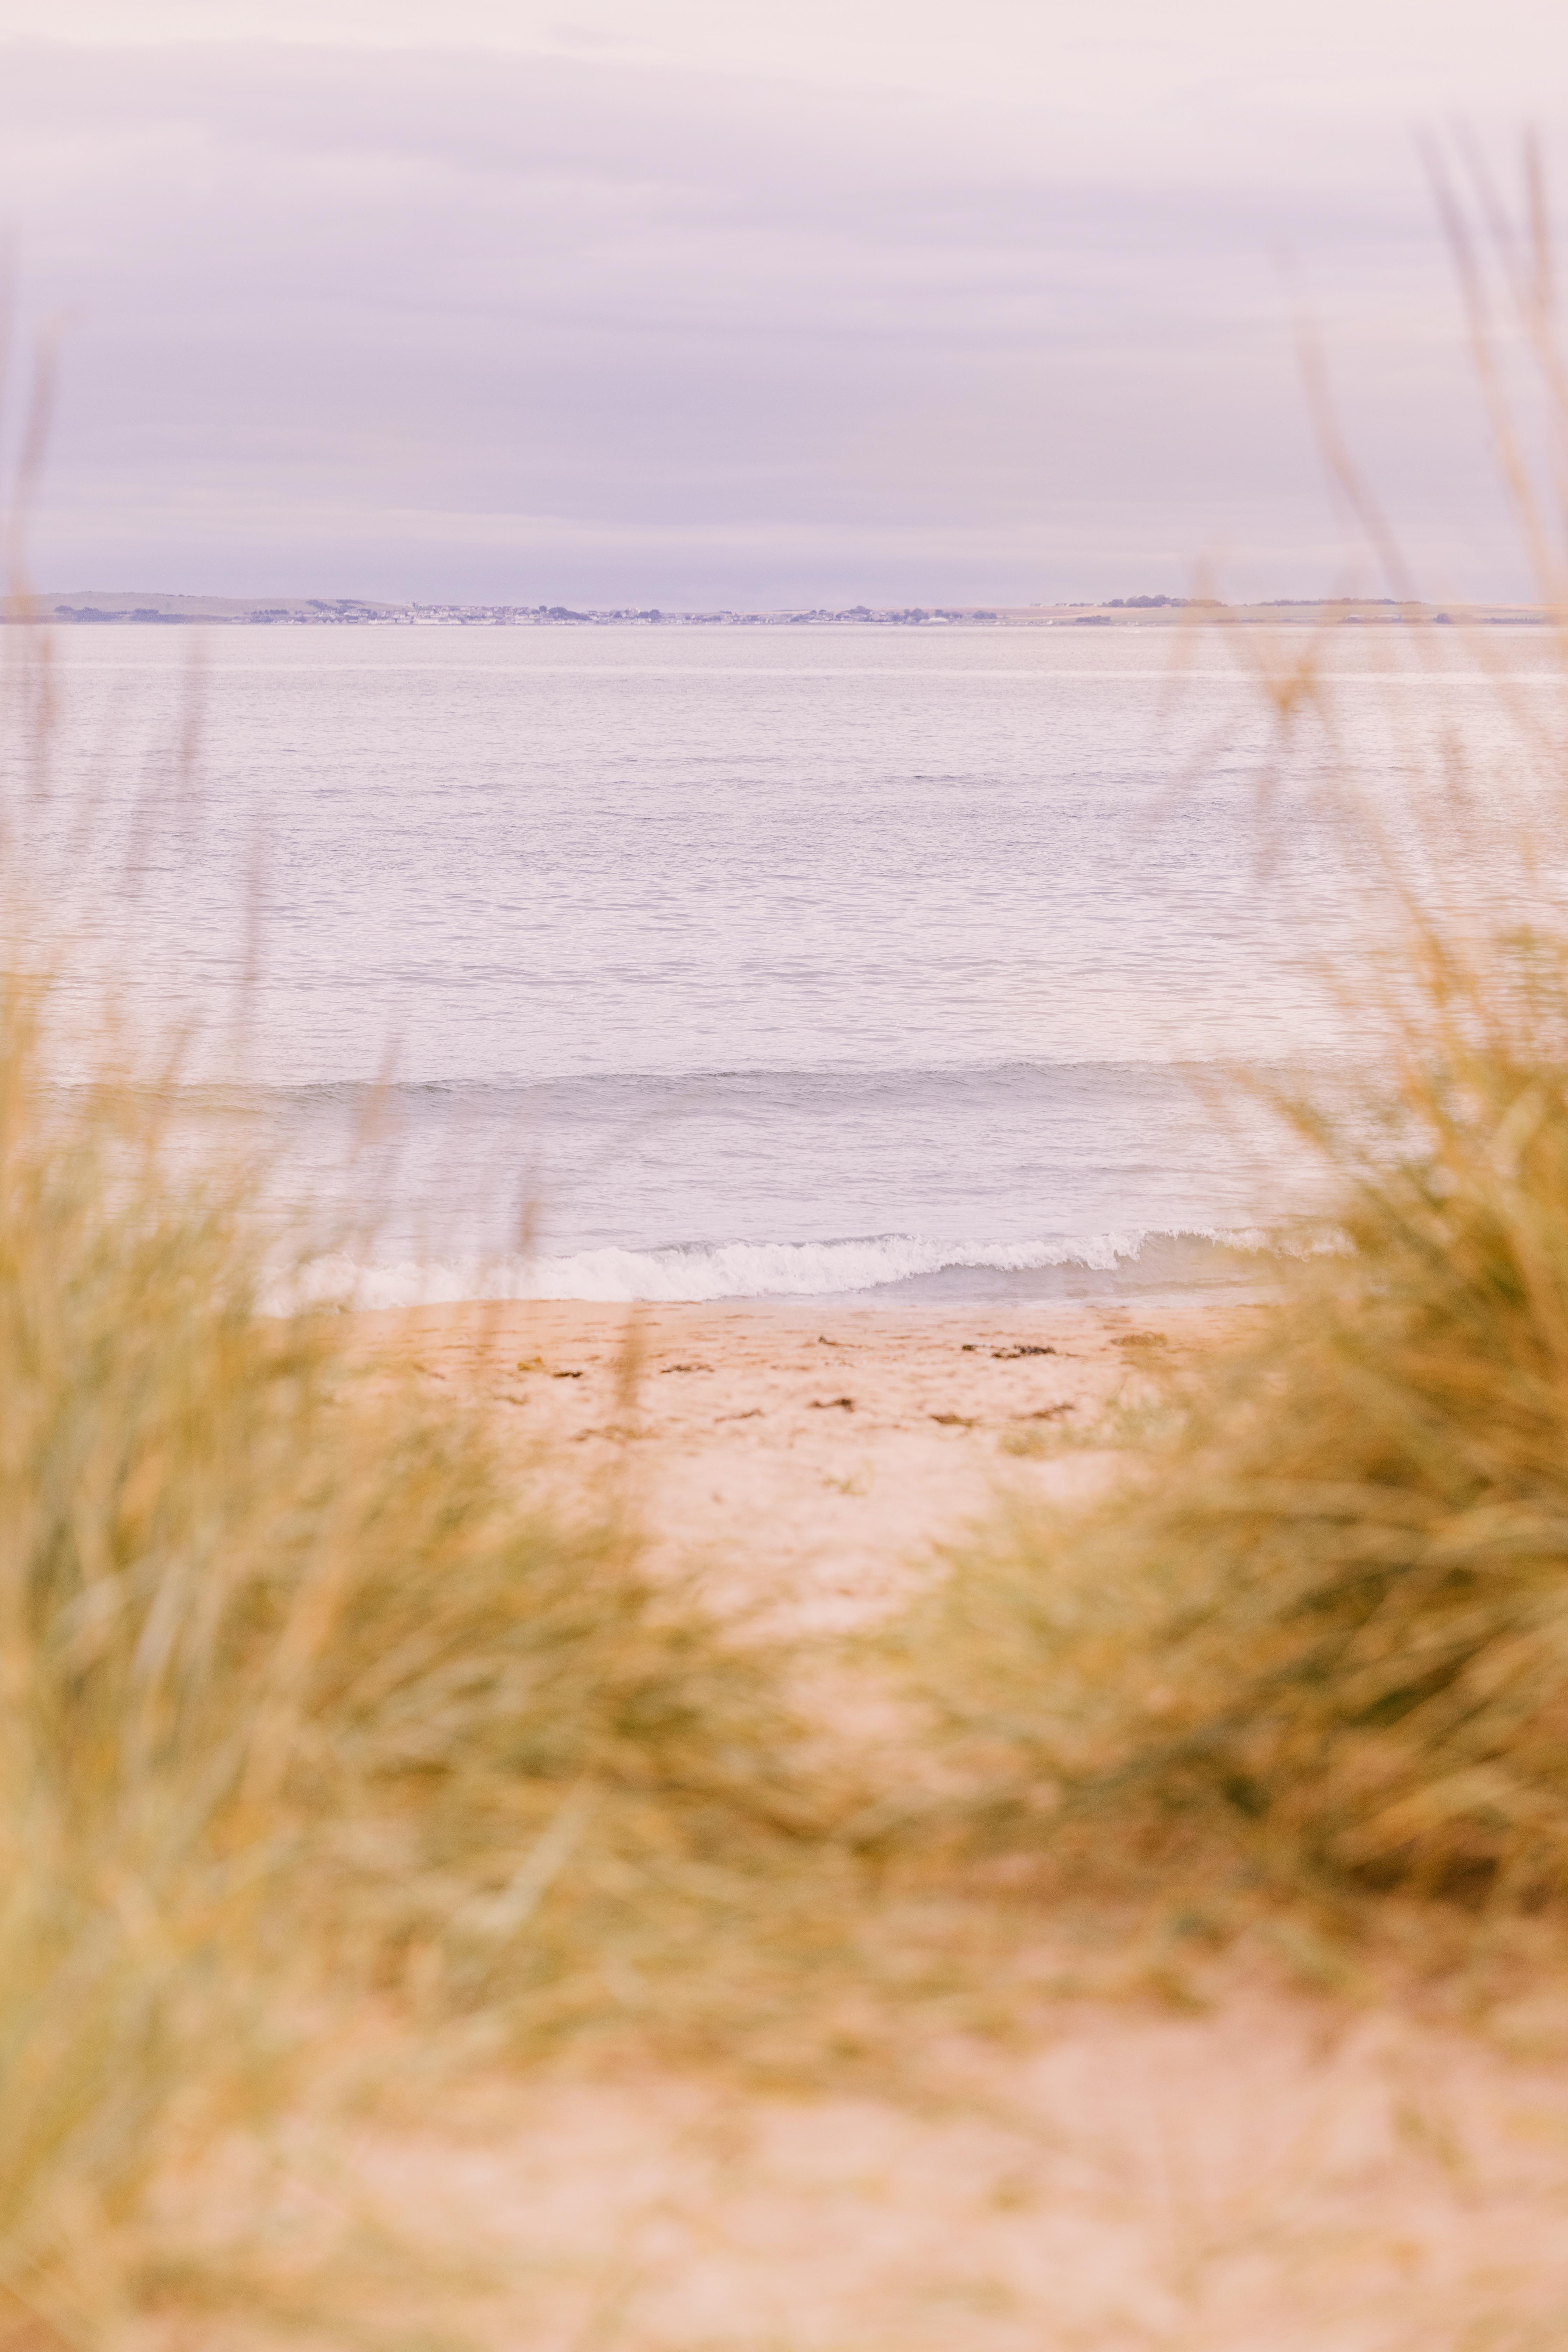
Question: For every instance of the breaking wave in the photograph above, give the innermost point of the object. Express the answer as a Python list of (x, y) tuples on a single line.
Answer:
[(903, 1264)]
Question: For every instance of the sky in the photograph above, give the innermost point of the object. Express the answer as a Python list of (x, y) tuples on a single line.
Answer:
[(694, 305)]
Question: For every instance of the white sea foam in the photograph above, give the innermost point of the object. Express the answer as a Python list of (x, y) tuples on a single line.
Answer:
[(772, 1269)]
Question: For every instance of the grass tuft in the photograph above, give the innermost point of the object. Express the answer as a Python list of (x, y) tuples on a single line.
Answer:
[(1319, 1629), (309, 1695)]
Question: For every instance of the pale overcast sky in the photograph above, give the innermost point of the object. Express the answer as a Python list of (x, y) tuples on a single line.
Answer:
[(692, 303)]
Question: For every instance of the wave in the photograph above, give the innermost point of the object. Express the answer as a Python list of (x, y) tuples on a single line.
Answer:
[(906, 1264), (506, 1090)]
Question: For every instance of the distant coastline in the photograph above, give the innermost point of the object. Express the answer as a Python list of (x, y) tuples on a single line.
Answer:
[(101, 608)]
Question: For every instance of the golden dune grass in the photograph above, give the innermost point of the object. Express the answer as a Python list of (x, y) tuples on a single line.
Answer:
[(304, 1698), (1322, 1626)]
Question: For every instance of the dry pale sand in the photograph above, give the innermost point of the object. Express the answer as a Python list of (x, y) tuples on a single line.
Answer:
[(1272, 2172)]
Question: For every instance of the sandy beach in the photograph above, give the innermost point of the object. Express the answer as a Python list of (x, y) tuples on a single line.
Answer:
[(750, 672), (813, 1453)]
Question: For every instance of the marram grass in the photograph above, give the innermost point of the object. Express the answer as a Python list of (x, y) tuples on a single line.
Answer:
[(306, 1695), (1316, 1637)]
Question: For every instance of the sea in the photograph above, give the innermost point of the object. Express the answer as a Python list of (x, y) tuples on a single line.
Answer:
[(699, 962)]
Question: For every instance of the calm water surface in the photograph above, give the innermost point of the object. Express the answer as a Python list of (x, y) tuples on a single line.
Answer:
[(786, 960)]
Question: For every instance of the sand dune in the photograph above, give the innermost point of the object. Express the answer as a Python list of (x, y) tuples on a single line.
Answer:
[(1237, 2164)]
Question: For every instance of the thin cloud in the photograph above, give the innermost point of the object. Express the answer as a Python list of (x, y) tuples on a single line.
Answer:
[(441, 323)]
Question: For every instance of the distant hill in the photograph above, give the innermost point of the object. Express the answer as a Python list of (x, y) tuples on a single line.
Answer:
[(111, 605), (143, 606)]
